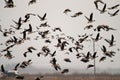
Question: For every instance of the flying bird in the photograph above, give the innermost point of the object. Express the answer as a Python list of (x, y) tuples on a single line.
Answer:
[(67, 60), (9, 4), (102, 58), (42, 18), (114, 14), (31, 2), (90, 19), (77, 14), (65, 71), (103, 10), (90, 65), (114, 7), (66, 11), (110, 41), (19, 24)]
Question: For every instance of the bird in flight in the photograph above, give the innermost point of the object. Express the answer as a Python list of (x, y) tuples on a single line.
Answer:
[(42, 18), (9, 4), (114, 7), (31, 2), (114, 14), (77, 14), (66, 11), (90, 19)]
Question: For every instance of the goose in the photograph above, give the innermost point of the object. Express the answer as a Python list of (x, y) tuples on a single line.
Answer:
[(9, 55), (114, 14), (103, 10), (57, 29), (27, 16), (90, 65), (88, 27), (66, 11), (9, 4), (31, 2), (65, 71), (24, 64), (19, 23), (42, 18), (102, 58), (67, 60), (114, 7), (97, 37), (77, 14), (90, 19), (52, 55), (110, 41)]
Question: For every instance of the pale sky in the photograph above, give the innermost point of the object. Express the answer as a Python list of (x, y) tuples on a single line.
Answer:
[(70, 26)]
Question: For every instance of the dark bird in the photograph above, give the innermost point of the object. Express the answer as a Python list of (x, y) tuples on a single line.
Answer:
[(9, 4), (30, 49), (57, 29), (66, 11), (96, 3), (97, 37), (9, 55), (83, 39), (57, 67), (38, 54), (19, 23), (44, 25), (114, 14), (42, 18), (65, 71), (90, 19), (103, 10), (27, 16), (31, 2), (24, 64), (110, 41), (77, 14), (67, 60), (94, 55), (24, 35), (88, 27), (53, 54), (114, 7), (102, 58), (90, 65)]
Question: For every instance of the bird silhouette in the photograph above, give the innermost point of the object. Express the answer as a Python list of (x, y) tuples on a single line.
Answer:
[(90, 19), (114, 14), (42, 18), (19, 23), (9, 4), (27, 17), (88, 27), (114, 7), (31, 2), (103, 10), (65, 71), (66, 11), (110, 41), (90, 65), (102, 58), (67, 60), (9, 55), (77, 14)]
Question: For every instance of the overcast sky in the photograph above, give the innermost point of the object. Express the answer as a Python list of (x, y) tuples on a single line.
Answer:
[(70, 26)]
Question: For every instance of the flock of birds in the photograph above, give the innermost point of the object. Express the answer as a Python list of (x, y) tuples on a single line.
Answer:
[(61, 40)]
